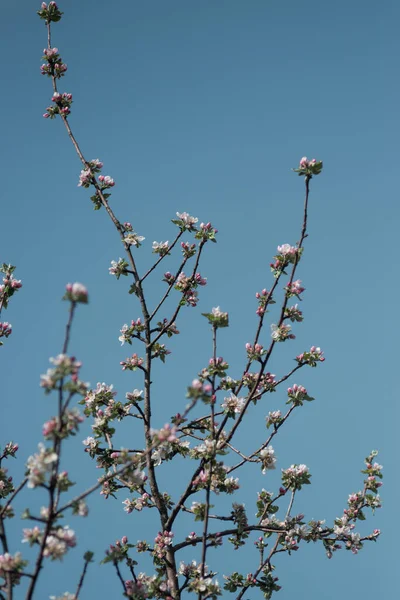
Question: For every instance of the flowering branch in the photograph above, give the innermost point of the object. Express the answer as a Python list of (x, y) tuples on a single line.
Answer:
[(136, 470)]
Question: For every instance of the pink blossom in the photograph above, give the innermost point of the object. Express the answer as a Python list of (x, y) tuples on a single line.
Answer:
[(133, 239), (282, 333), (85, 178), (161, 543), (39, 465), (166, 434), (161, 248), (267, 459), (106, 181), (10, 563), (50, 52), (5, 329), (131, 363), (186, 221), (295, 288), (76, 292), (200, 280), (287, 250), (254, 352)]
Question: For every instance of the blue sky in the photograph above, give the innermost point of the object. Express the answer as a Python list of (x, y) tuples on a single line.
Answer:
[(205, 107)]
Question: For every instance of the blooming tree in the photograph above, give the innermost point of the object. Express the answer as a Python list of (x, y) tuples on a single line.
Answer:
[(203, 433)]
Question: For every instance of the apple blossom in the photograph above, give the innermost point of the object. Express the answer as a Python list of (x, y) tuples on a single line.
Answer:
[(131, 363), (133, 239), (295, 288), (188, 250), (281, 333), (161, 248), (268, 459), (232, 405), (76, 292), (274, 418), (185, 221), (118, 268), (106, 182), (40, 465)]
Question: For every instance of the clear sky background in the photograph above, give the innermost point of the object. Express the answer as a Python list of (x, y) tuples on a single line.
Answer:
[(205, 107)]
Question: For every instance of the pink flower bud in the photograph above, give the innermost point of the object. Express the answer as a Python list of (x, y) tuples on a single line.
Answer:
[(76, 292)]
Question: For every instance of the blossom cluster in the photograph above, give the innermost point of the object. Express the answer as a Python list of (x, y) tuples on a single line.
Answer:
[(258, 383), (281, 333), (294, 289), (297, 394), (219, 481), (57, 543), (293, 313), (188, 250), (12, 566), (267, 583), (199, 390), (131, 331), (161, 543), (131, 504), (10, 449), (161, 248), (61, 106), (133, 239), (87, 178), (311, 357), (309, 167), (69, 424), (6, 483), (50, 12), (132, 363), (217, 318), (54, 66), (185, 221), (64, 366), (295, 477), (216, 367), (287, 254), (264, 299), (9, 286), (274, 418), (5, 329), (166, 444), (118, 268), (118, 552), (40, 465), (145, 586), (255, 352), (206, 232), (205, 587), (76, 293), (232, 405), (188, 285), (267, 459)]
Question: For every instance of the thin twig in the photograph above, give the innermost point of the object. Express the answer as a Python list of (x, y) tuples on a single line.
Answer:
[(81, 579)]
